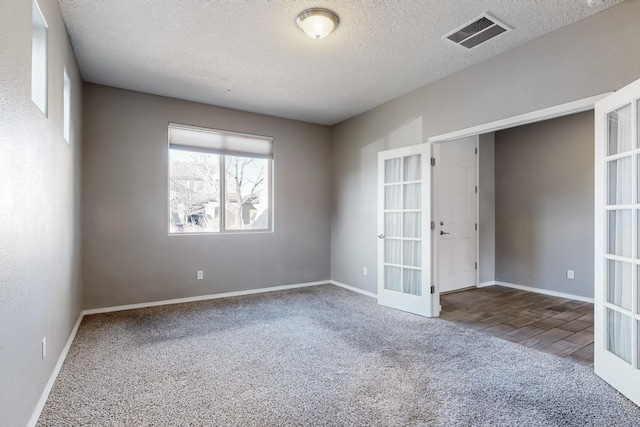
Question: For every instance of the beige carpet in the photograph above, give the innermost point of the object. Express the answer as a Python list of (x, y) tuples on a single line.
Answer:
[(314, 356)]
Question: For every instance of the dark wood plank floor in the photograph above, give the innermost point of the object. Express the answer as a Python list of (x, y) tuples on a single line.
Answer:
[(554, 325)]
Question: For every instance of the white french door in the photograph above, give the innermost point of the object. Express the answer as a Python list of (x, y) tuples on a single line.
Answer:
[(617, 241), (404, 236)]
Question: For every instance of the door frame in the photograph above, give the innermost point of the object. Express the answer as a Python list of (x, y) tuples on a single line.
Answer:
[(573, 107)]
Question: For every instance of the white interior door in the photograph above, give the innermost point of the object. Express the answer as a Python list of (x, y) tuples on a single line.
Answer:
[(617, 241), (404, 239), (456, 206)]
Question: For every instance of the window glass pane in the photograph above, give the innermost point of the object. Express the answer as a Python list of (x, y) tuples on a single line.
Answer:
[(392, 278), (413, 253), (392, 170), (412, 224), (412, 168), (619, 334), (412, 283), (412, 196), (619, 181), (66, 106), (619, 130), (392, 197), (39, 59), (619, 283), (247, 194), (392, 224), (392, 251), (194, 192), (619, 233)]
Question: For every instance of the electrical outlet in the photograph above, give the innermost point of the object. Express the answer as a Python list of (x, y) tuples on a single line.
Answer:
[(364, 271), (570, 274), (200, 274), (44, 347)]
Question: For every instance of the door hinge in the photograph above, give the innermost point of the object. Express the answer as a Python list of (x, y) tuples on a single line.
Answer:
[(433, 161), (476, 265), (433, 289), (476, 189), (476, 226), (476, 150), (433, 225)]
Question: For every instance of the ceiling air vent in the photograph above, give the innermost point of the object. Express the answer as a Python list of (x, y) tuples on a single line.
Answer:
[(478, 31)]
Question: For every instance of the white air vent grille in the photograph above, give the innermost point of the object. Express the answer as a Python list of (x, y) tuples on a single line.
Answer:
[(476, 32)]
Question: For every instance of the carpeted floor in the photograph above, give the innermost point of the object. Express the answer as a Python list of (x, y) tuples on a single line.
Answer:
[(319, 356)]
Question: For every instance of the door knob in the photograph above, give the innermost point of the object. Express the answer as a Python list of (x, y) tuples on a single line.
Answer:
[(381, 236), (443, 232)]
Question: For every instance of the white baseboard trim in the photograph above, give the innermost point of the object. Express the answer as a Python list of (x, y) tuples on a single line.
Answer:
[(52, 379), (537, 291), (354, 289), (202, 297), (485, 284)]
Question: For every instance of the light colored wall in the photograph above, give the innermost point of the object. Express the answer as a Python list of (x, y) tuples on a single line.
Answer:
[(487, 208), (593, 56), (128, 256), (544, 204), (39, 212)]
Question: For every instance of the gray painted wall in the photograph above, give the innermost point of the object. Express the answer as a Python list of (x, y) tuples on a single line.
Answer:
[(593, 56), (544, 204), (39, 212), (487, 208), (128, 256)]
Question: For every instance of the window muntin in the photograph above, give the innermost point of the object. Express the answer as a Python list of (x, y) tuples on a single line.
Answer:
[(218, 181), (39, 59)]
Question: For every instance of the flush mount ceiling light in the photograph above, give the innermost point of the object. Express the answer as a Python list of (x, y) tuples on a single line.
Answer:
[(317, 23)]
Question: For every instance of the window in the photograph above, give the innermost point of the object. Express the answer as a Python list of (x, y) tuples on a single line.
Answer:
[(39, 59), (219, 181), (66, 107)]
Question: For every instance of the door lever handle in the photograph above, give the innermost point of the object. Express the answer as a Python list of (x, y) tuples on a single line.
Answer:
[(381, 236), (443, 232)]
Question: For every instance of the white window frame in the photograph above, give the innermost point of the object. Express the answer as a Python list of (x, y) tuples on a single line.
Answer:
[(39, 60), (223, 152)]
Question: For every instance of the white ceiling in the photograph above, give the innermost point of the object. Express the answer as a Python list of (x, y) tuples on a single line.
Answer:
[(250, 55)]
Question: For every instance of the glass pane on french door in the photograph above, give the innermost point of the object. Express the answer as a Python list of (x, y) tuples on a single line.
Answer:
[(619, 335), (619, 281), (392, 278), (403, 225), (622, 221), (619, 130), (638, 342)]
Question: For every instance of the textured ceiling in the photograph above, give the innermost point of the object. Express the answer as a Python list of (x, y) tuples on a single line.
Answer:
[(250, 55)]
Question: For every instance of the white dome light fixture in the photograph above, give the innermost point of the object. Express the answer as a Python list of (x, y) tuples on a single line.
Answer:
[(317, 22)]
